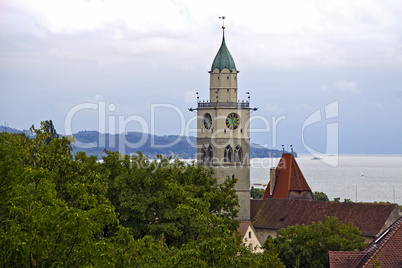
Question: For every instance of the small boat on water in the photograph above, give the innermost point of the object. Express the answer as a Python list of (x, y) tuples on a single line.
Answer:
[(316, 158)]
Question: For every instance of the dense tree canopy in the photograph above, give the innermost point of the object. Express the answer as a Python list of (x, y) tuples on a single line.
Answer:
[(321, 196), (256, 193), (308, 246), (63, 210), (168, 198)]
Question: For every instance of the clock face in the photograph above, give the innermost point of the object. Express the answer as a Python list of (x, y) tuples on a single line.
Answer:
[(232, 121), (207, 121)]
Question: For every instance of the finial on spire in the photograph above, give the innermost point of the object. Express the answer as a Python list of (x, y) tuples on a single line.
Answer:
[(223, 22)]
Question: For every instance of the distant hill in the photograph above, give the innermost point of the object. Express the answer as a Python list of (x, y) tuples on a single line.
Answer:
[(184, 147), (9, 130), (151, 145)]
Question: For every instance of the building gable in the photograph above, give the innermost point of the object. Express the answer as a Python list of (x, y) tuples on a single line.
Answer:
[(288, 181)]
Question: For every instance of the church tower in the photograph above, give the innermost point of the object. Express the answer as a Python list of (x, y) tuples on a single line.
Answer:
[(223, 135)]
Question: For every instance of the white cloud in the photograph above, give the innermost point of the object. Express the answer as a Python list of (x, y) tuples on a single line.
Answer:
[(95, 99), (347, 86), (289, 33), (133, 53), (342, 86), (304, 108)]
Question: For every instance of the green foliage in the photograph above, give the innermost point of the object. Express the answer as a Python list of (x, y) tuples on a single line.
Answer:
[(47, 218), (309, 245), (376, 263), (48, 127), (57, 209), (321, 196), (223, 252), (257, 193), (167, 198)]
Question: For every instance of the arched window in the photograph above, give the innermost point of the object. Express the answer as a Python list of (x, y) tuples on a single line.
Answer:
[(203, 154), (238, 154), (210, 153), (227, 156)]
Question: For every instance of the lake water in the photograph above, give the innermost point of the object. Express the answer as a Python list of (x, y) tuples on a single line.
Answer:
[(361, 178)]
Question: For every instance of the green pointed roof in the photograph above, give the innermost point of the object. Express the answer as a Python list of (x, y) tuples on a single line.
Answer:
[(223, 59)]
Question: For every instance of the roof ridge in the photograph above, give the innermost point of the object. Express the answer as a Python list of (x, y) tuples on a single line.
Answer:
[(303, 211), (294, 163), (382, 240)]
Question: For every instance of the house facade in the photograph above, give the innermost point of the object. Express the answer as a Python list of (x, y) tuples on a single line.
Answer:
[(249, 236)]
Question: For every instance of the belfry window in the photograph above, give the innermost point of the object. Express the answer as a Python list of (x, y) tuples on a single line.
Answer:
[(227, 156), (238, 154), (210, 153), (203, 154)]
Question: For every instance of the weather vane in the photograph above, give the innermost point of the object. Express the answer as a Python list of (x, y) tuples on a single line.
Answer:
[(223, 22)]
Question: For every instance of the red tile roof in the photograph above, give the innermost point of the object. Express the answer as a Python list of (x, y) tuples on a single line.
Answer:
[(345, 259), (281, 213), (288, 178), (388, 248)]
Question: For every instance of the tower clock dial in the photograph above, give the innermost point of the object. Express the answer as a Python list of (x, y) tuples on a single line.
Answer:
[(232, 121), (207, 121)]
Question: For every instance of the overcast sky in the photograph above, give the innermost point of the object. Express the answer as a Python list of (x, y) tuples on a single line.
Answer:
[(107, 65)]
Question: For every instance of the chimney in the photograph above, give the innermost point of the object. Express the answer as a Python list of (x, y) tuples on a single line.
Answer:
[(272, 181)]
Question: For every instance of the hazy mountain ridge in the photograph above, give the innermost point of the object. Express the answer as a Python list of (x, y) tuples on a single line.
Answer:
[(168, 145), (184, 147)]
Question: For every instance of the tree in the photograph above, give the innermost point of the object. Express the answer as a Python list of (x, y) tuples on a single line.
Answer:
[(168, 198), (309, 245), (48, 127), (257, 193), (53, 211), (57, 209), (223, 251), (321, 196)]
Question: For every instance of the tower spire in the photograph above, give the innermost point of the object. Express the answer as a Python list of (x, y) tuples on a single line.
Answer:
[(223, 22), (223, 58)]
